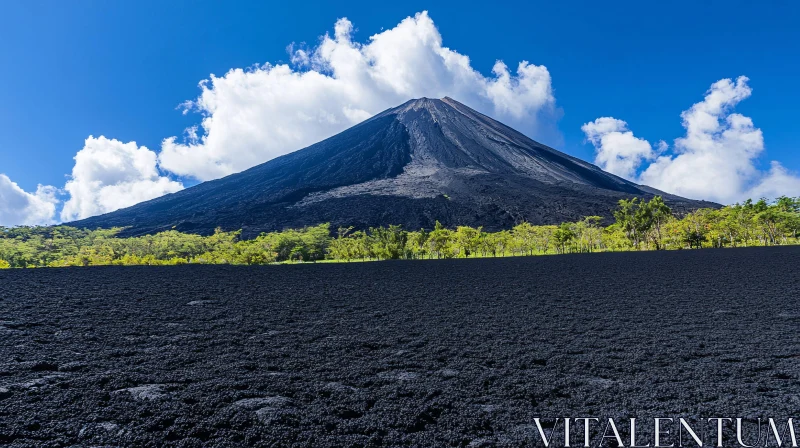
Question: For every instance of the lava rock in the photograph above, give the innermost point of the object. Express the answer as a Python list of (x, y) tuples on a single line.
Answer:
[(425, 353)]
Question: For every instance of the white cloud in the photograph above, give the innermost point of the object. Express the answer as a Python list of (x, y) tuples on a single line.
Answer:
[(253, 115), (715, 160), (18, 207), (777, 182), (618, 151), (109, 175)]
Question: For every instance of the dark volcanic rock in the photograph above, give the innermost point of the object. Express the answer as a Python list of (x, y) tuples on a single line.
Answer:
[(429, 353), (424, 161)]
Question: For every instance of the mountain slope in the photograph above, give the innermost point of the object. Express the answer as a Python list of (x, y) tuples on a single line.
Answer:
[(426, 160)]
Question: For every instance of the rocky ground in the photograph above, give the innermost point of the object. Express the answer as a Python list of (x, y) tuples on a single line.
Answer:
[(428, 353)]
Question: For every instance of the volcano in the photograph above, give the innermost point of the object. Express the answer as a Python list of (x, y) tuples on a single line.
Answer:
[(423, 161)]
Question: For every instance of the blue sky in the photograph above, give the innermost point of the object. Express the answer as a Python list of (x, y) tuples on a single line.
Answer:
[(121, 69)]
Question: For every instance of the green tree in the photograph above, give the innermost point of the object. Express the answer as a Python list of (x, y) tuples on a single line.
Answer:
[(658, 215), (629, 218), (695, 228), (467, 240), (524, 238), (562, 236), (497, 243), (614, 238), (440, 241), (339, 248), (587, 233), (416, 246), (387, 243), (786, 204), (773, 222)]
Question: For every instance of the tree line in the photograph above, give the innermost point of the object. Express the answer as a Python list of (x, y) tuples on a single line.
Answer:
[(639, 225)]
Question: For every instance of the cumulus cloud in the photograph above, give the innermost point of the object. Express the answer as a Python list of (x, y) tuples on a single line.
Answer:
[(618, 150), (253, 115), (109, 175), (777, 182), (716, 159), (18, 207)]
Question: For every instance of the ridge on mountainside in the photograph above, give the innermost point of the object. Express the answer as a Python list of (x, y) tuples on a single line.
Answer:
[(423, 161)]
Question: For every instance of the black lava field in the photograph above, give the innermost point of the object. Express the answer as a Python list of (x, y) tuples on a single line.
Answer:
[(419, 353)]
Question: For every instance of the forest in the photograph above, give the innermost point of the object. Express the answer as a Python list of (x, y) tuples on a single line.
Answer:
[(639, 225)]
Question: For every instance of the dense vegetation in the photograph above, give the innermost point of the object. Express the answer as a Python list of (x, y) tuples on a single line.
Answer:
[(640, 225)]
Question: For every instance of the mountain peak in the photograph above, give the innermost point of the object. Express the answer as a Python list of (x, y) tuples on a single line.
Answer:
[(417, 103), (440, 110), (430, 102)]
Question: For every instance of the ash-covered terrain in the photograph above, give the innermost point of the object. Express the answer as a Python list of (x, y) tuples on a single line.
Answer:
[(423, 161), (428, 353)]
